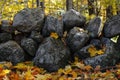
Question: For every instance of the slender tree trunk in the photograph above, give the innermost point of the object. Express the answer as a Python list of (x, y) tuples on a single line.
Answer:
[(69, 4), (38, 3), (109, 12), (42, 5), (91, 7), (118, 6), (32, 3), (77, 5), (97, 8)]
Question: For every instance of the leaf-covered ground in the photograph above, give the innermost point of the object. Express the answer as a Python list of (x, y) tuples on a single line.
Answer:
[(75, 71)]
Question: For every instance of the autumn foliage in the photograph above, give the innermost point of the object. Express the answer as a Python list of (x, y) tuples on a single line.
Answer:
[(77, 70)]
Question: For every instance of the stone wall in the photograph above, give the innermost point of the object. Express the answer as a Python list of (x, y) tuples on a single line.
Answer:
[(28, 38)]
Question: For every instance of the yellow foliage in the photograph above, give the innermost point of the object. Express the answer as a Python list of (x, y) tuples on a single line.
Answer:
[(68, 69), (28, 76), (4, 72), (54, 35), (93, 51), (74, 74), (21, 66)]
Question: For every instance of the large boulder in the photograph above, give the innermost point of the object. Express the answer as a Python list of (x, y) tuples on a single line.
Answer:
[(52, 54), (112, 26), (94, 27), (118, 43), (29, 45), (76, 38), (11, 51), (4, 37), (35, 35), (72, 19), (52, 24), (27, 20), (109, 58)]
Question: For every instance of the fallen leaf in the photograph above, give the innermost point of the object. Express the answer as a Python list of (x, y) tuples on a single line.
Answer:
[(60, 71), (93, 51), (54, 35), (21, 66), (88, 67), (28, 75), (14, 76), (4, 72), (74, 74)]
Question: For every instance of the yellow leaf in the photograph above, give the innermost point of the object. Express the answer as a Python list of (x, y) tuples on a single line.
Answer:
[(28, 75), (61, 78), (80, 65), (54, 35), (76, 60), (93, 51), (68, 69), (21, 66), (60, 71), (74, 74), (4, 72), (100, 52), (43, 77), (118, 71)]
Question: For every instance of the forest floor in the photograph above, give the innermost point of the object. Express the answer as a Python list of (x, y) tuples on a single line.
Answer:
[(76, 71)]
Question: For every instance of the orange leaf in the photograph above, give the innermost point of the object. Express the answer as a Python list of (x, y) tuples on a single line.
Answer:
[(88, 67), (14, 76), (74, 74), (4, 72)]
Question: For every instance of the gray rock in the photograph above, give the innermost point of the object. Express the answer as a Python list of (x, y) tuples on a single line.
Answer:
[(76, 38), (72, 19), (52, 24), (117, 45), (29, 45), (94, 27), (11, 51), (4, 37), (83, 52), (29, 19), (35, 35), (6, 26), (19, 37), (109, 58), (112, 26), (52, 54)]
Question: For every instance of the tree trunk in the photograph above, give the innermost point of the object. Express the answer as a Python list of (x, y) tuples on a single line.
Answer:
[(91, 7), (42, 5), (109, 13), (38, 3), (77, 5), (69, 4)]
